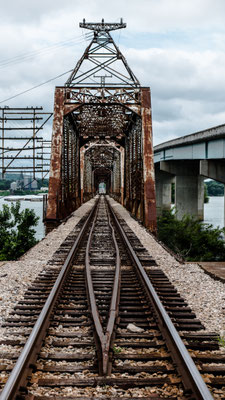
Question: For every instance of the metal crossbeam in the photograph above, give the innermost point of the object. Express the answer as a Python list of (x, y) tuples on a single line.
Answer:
[(102, 133), (102, 26), (24, 119), (99, 56)]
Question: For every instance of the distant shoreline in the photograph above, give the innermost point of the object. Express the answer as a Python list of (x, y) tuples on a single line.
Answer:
[(37, 198)]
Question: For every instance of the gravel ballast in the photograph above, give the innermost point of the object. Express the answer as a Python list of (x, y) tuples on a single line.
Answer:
[(204, 295), (16, 276)]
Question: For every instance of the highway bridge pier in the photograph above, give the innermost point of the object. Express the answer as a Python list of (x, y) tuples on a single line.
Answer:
[(187, 161)]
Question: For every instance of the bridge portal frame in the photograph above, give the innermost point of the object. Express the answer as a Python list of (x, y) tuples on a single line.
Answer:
[(70, 99)]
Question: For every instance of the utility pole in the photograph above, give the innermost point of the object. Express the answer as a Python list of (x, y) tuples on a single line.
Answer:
[(23, 127)]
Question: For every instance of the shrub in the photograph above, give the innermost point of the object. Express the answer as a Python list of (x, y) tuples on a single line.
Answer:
[(190, 238), (16, 232)]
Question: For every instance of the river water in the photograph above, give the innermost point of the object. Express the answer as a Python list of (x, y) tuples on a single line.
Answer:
[(214, 211)]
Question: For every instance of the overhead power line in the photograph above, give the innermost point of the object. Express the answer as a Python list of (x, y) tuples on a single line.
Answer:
[(43, 83), (35, 87), (44, 50)]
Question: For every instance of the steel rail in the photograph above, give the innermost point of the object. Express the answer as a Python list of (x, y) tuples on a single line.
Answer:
[(114, 305), (104, 338), (191, 378), (29, 353)]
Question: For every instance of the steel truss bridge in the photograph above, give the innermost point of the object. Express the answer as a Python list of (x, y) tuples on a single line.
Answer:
[(102, 133)]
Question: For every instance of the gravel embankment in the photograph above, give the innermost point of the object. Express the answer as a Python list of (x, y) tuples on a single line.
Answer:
[(16, 276), (204, 295)]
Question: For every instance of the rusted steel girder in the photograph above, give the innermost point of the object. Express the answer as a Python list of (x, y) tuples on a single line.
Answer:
[(82, 151), (64, 181), (55, 183), (138, 168), (122, 174), (110, 114), (148, 162), (102, 161)]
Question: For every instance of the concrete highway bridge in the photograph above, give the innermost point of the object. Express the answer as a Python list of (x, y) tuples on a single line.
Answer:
[(187, 161)]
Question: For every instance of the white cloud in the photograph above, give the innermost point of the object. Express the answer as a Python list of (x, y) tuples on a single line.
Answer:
[(188, 88), (187, 79), (142, 15)]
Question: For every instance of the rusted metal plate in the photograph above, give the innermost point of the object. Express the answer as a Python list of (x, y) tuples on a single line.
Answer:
[(148, 163), (56, 156)]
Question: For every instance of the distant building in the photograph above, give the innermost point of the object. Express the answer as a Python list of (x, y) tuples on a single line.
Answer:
[(34, 185), (13, 186), (26, 182)]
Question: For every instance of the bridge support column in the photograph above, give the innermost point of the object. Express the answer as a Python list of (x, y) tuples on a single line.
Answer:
[(163, 182), (189, 196), (214, 169), (189, 187)]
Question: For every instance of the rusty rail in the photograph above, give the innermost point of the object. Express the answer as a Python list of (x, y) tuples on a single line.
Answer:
[(104, 338), (191, 378), (29, 353)]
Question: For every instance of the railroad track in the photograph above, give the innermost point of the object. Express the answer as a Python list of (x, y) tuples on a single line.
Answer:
[(94, 325)]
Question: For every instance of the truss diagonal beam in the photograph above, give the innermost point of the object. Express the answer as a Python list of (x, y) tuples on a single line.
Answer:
[(103, 47), (102, 132)]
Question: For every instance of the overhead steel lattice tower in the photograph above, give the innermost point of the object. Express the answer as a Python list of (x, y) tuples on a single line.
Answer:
[(102, 132)]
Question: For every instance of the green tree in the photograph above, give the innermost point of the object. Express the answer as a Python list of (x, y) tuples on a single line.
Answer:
[(215, 188), (206, 197), (190, 238), (4, 184), (42, 183), (16, 231)]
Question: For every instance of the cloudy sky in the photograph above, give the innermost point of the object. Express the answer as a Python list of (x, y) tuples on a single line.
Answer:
[(177, 47)]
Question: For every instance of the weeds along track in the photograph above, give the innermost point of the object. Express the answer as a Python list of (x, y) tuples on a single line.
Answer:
[(102, 321)]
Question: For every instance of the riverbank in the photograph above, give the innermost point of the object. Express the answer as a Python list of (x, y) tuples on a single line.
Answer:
[(6, 193), (214, 210), (24, 198)]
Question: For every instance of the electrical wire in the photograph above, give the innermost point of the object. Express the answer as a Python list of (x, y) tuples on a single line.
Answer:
[(26, 56), (35, 87), (43, 51), (39, 85), (88, 35), (46, 47)]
